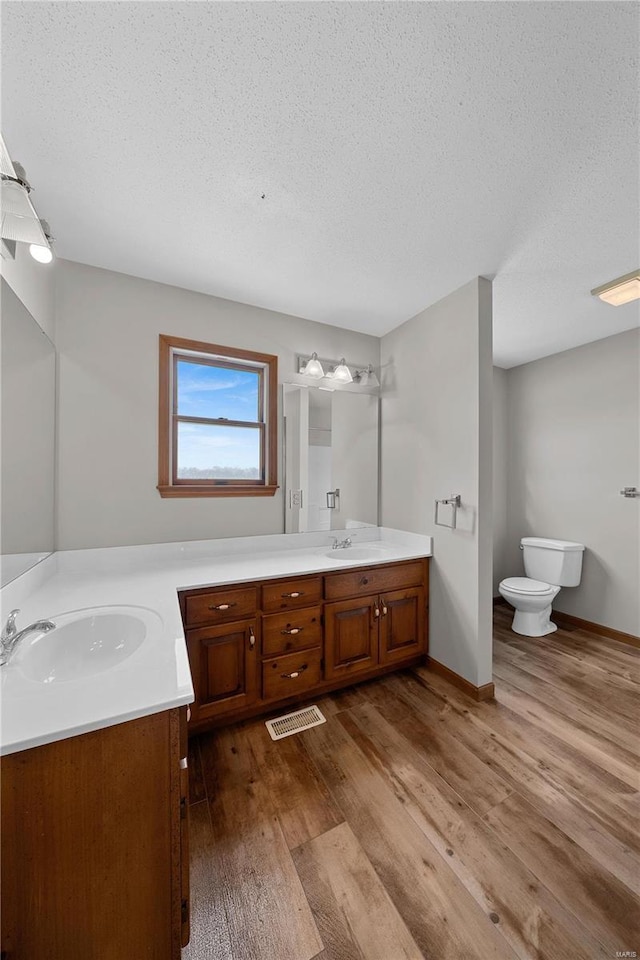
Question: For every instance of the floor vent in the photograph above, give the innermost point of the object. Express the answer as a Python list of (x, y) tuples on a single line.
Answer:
[(294, 722)]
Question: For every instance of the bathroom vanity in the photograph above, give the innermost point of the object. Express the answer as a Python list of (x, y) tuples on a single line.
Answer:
[(255, 647), (94, 765), (95, 858)]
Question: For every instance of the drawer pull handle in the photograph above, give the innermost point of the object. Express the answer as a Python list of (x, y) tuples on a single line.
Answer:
[(292, 632), (293, 594), (296, 673), (376, 611), (252, 638), (223, 606), (384, 609)]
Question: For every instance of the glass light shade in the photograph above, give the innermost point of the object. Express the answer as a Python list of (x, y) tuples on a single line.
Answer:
[(342, 373), (314, 368), (368, 377), (19, 220), (623, 290), (41, 254)]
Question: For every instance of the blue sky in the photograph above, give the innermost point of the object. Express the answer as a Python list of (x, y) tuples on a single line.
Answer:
[(205, 391)]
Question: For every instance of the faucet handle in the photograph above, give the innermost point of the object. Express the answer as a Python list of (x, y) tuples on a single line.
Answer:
[(10, 628)]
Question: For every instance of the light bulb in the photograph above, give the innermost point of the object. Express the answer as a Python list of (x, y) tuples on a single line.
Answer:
[(342, 372), (41, 254), (314, 368)]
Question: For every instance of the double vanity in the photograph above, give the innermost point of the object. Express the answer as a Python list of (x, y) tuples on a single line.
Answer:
[(94, 711)]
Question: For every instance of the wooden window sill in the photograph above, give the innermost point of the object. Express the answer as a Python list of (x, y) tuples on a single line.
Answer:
[(226, 490)]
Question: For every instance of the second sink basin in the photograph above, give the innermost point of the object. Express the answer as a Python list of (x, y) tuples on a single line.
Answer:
[(87, 642)]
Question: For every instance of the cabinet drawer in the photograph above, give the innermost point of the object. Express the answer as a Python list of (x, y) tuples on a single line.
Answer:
[(220, 606), (339, 586), (287, 676), (289, 594), (293, 630)]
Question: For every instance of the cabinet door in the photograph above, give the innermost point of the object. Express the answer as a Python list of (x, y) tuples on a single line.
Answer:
[(403, 622), (224, 668), (351, 637)]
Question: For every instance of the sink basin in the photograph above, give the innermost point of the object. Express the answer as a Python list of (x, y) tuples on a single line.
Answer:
[(87, 642), (357, 553)]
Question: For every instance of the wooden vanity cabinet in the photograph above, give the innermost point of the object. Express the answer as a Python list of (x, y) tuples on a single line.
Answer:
[(402, 625), (224, 667), (351, 637), (364, 633), (302, 636), (95, 844)]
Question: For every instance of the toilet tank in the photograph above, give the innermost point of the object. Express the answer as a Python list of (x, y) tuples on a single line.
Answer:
[(558, 562)]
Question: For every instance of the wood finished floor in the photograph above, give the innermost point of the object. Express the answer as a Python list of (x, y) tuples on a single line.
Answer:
[(417, 823)]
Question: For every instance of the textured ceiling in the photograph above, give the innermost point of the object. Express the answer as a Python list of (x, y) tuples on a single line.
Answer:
[(402, 149)]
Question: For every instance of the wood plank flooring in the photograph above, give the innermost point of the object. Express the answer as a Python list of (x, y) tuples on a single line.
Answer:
[(417, 823)]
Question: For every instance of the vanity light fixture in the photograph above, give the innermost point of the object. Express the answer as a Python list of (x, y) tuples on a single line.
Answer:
[(342, 373), (366, 378), (20, 222), (335, 371), (623, 290), (40, 253), (313, 368)]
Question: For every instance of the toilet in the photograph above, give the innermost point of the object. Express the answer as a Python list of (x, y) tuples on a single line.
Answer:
[(549, 565)]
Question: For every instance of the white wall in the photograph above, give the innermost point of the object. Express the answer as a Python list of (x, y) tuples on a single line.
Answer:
[(573, 421), (27, 431), (107, 327), (500, 453), (436, 440), (33, 283)]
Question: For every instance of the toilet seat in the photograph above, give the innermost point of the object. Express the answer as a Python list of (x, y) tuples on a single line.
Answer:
[(527, 587)]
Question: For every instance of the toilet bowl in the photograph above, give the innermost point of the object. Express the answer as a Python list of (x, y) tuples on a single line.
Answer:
[(532, 600), (549, 565)]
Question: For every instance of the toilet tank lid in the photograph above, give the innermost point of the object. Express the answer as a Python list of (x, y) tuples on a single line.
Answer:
[(547, 544)]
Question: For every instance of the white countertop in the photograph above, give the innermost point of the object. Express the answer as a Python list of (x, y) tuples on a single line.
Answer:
[(156, 677)]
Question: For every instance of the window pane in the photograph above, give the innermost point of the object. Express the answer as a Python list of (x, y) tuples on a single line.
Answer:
[(213, 392), (207, 452)]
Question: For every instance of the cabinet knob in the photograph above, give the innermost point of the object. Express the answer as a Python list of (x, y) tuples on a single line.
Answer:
[(293, 595), (376, 611), (252, 638), (292, 631), (364, 581), (222, 606), (384, 608)]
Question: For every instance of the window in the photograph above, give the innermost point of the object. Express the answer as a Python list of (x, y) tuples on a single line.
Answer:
[(217, 421)]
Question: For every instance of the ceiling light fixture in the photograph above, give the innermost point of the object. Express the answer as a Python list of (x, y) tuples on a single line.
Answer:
[(20, 222), (623, 290)]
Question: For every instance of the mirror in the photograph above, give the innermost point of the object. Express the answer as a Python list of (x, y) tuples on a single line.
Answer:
[(28, 370), (331, 459)]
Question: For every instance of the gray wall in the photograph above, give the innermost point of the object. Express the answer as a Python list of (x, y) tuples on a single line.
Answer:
[(436, 440), (500, 447), (573, 441), (27, 430), (107, 327)]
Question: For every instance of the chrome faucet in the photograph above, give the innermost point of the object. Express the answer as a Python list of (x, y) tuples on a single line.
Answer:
[(341, 544), (11, 636)]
